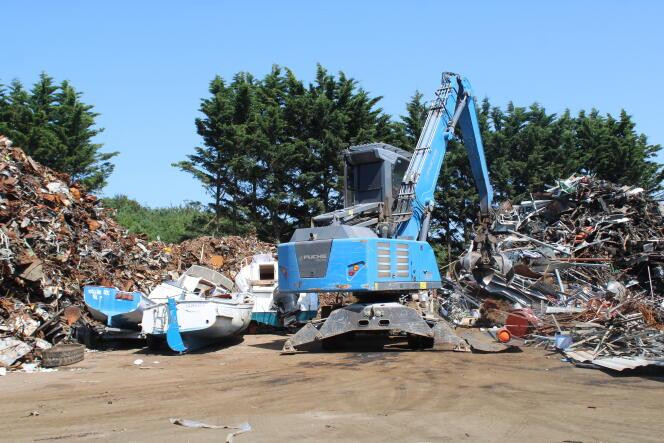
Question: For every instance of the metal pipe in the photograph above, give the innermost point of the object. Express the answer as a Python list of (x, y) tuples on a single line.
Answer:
[(424, 231), (541, 243)]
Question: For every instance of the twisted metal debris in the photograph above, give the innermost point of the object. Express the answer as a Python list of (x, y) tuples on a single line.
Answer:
[(587, 256)]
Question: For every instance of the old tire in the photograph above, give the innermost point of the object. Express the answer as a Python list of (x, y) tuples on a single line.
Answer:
[(62, 355), (420, 342)]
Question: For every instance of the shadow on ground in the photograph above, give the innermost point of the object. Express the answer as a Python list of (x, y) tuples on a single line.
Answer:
[(654, 373), (275, 345), (163, 348)]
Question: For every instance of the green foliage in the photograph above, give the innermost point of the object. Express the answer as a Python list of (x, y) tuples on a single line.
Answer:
[(171, 225), (413, 121), (56, 128), (212, 164), (271, 148)]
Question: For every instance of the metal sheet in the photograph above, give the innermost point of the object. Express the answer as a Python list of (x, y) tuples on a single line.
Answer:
[(614, 363)]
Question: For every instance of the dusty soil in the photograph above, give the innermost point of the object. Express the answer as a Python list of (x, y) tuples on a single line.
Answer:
[(393, 395)]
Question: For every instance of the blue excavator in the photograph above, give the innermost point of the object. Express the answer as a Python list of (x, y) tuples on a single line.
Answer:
[(375, 248)]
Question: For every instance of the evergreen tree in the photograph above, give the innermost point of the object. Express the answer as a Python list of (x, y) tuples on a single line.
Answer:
[(615, 151), (275, 159), (74, 127), (413, 121), (271, 154), (56, 128), (212, 164), (43, 144), (16, 122), (272, 150)]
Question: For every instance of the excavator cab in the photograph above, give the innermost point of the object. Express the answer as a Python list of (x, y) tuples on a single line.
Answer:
[(372, 176), (373, 173)]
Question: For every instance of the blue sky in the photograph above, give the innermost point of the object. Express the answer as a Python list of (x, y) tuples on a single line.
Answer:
[(146, 65)]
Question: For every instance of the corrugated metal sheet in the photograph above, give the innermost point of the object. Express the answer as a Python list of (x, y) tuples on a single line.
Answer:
[(582, 356), (614, 363)]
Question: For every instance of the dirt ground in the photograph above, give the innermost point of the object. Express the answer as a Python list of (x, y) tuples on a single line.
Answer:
[(354, 395)]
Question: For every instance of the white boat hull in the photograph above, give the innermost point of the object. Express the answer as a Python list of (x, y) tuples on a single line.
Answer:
[(199, 322)]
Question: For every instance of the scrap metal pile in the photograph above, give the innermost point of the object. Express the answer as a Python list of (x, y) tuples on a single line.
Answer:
[(225, 254), (55, 238), (585, 259)]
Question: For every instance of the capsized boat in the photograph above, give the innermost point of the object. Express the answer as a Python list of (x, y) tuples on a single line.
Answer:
[(260, 278), (116, 308), (207, 309)]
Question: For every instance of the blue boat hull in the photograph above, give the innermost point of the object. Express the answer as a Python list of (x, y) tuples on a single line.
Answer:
[(117, 309)]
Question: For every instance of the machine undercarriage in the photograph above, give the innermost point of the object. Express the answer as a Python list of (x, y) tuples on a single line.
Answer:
[(397, 316)]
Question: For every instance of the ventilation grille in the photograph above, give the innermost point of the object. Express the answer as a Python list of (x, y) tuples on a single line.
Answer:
[(393, 262)]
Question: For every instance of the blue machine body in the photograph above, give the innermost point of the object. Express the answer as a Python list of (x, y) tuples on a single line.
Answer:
[(363, 265)]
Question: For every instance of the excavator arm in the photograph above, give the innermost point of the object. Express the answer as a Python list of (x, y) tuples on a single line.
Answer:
[(454, 105)]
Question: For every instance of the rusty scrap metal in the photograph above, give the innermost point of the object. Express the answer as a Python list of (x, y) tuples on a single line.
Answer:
[(55, 238), (589, 252)]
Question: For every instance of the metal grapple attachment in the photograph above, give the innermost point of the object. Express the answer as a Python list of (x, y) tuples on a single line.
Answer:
[(482, 260), (483, 270)]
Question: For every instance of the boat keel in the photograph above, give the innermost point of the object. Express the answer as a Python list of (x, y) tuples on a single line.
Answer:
[(173, 336)]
